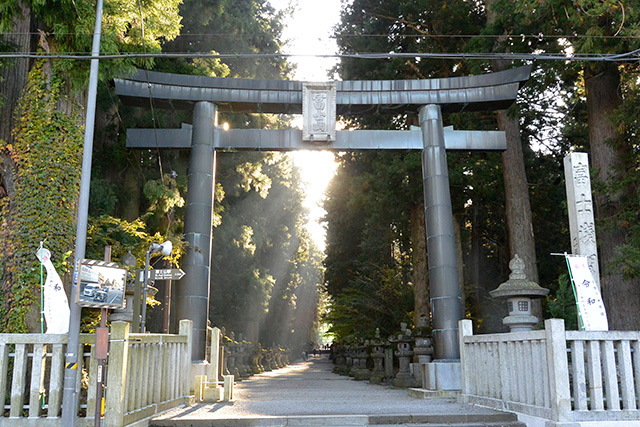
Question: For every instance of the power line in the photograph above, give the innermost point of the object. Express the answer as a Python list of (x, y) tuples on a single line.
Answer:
[(592, 57), (344, 35)]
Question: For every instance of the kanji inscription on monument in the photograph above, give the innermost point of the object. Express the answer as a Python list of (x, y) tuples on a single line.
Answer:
[(580, 207), (319, 112)]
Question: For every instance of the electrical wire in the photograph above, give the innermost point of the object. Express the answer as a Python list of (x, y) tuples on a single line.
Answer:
[(594, 57), (538, 36), (150, 86)]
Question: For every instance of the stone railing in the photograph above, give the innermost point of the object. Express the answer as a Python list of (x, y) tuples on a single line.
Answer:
[(158, 369), (147, 374), (557, 375)]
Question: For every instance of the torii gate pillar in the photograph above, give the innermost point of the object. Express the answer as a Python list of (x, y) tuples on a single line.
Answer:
[(446, 303), (193, 296), (470, 93)]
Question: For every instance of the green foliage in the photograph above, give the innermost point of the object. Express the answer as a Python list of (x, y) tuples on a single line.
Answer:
[(102, 198), (263, 264), (163, 197), (367, 196), (368, 265), (230, 26), (69, 27), (625, 189), (382, 301), (47, 154), (562, 304)]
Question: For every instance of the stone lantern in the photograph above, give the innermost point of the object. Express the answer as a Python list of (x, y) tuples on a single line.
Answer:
[(519, 292), (377, 354), (404, 378)]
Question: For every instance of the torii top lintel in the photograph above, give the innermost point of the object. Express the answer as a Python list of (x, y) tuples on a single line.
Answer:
[(481, 92)]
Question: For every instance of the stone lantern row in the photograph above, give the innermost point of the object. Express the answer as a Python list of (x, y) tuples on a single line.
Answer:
[(394, 361), (242, 358), (374, 360)]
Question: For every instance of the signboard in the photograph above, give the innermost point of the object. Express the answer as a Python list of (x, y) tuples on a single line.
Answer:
[(319, 112), (593, 316), (102, 284), (161, 274)]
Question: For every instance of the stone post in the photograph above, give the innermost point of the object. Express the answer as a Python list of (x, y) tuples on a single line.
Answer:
[(228, 388), (214, 363), (193, 293), (558, 370), (117, 374), (225, 360), (186, 329), (466, 329), (446, 302), (580, 208)]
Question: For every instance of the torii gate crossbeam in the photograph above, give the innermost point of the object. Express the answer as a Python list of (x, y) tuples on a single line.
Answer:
[(207, 95)]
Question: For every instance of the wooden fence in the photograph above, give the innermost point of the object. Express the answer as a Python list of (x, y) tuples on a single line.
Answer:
[(147, 374), (558, 375)]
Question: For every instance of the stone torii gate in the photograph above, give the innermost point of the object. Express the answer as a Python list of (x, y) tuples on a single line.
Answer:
[(320, 103)]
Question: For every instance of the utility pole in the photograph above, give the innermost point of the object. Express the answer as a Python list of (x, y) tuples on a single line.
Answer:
[(69, 396)]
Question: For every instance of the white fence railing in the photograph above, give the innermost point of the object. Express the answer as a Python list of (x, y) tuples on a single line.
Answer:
[(558, 375), (146, 375)]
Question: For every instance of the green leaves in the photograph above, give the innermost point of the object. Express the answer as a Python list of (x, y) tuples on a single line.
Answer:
[(47, 154)]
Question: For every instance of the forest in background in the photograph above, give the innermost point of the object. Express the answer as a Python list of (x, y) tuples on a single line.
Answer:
[(504, 204), (267, 276), (266, 271)]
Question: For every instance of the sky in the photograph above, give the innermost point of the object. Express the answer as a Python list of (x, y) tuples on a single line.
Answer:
[(308, 32)]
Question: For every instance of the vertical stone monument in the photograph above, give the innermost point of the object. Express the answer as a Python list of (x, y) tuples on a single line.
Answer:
[(580, 208)]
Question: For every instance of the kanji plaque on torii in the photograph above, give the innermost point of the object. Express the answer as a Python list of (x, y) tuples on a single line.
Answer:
[(319, 112), (428, 97)]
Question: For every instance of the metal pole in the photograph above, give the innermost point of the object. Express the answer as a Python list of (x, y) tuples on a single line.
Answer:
[(104, 312), (143, 319), (69, 395), (166, 312), (446, 302), (193, 293)]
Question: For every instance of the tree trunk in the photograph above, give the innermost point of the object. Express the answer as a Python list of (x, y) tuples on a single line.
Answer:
[(516, 188), (422, 307), (13, 81), (517, 203), (621, 297), (14, 76)]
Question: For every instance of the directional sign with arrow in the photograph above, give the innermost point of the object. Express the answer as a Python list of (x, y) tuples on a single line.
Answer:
[(161, 274)]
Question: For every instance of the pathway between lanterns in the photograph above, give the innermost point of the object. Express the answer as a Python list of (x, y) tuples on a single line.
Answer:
[(308, 393)]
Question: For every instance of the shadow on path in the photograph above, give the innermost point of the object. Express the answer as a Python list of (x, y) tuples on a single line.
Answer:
[(310, 388)]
